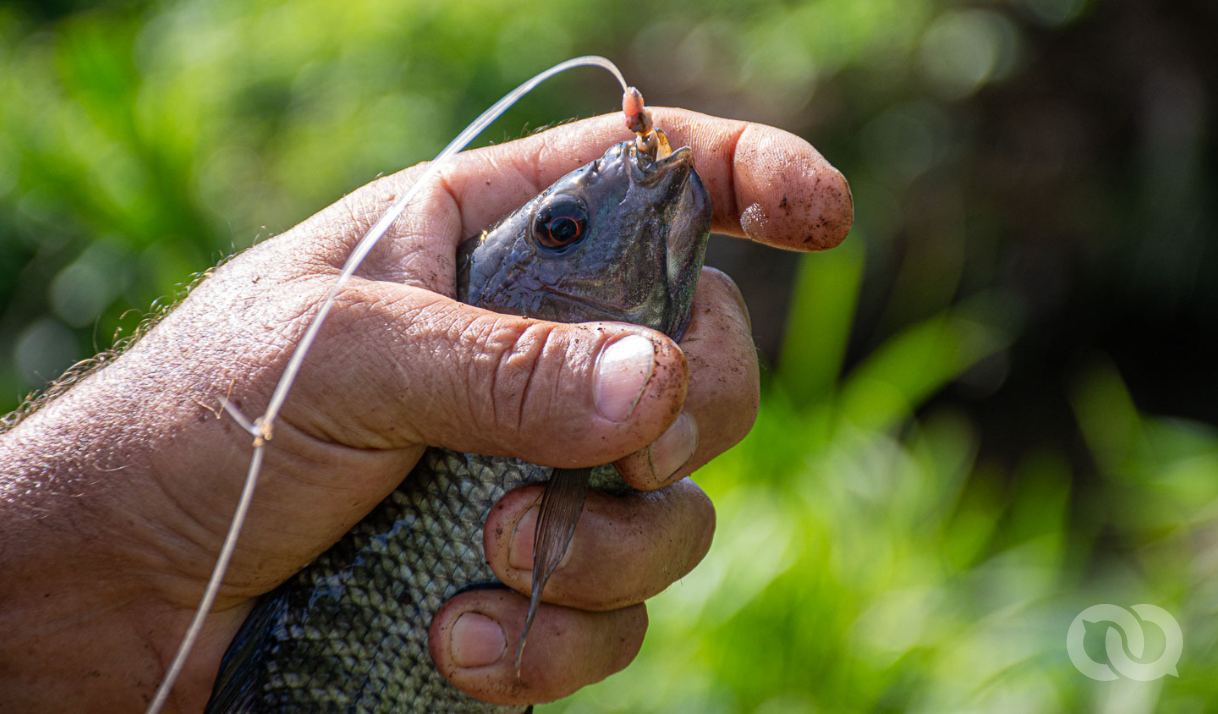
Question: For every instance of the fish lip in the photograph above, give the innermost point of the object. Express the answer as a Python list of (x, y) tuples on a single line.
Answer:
[(648, 171), (682, 157)]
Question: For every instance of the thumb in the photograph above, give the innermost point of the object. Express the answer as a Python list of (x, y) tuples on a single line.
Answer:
[(426, 369)]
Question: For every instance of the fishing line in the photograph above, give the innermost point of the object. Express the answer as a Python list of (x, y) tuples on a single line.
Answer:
[(262, 427)]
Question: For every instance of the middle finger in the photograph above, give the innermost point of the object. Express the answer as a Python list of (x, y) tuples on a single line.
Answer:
[(723, 395)]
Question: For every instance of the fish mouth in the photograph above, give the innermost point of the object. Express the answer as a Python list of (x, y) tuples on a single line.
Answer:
[(650, 171), (683, 157), (680, 160)]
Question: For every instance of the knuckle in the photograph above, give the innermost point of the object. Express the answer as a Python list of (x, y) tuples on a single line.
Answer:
[(632, 584), (742, 419), (508, 357), (723, 294), (627, 645), (361, 311), (750, 404), (718, 280), (688, 525), (703, 530), (655, 539)]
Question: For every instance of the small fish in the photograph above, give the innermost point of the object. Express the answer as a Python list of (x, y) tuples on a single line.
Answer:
[(621, 238)]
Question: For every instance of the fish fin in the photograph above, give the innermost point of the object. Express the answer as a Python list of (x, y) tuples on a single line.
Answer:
[(561, 505), (239, 680)]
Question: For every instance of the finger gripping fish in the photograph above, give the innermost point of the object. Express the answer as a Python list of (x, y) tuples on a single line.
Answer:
[(621, 238)]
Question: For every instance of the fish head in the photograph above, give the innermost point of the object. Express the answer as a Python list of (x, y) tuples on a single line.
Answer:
[(621, 238)]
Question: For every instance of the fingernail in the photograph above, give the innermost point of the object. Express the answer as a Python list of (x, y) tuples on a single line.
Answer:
[(520, 548), (476, 640), (674, 448), (625, 366)]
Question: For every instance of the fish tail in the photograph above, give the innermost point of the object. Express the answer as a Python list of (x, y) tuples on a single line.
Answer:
[(239, 682)]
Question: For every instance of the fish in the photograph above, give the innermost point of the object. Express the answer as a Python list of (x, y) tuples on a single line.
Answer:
[(621, 238)]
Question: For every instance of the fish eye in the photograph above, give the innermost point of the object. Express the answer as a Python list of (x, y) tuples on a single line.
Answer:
[(560, 222)]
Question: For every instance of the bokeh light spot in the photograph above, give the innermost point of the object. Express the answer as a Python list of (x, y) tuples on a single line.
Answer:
[(905, 141), (79, 293), (1055, 13), (964, 50), (44, 350)]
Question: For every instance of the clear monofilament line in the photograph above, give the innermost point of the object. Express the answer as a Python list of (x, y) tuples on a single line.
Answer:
[(369, 241), (361, 250)]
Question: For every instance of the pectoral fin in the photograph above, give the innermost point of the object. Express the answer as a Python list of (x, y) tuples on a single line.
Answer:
[(561, 505), (238, 684)]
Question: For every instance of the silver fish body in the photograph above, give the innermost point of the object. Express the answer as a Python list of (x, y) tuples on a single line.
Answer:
[(621, 238)]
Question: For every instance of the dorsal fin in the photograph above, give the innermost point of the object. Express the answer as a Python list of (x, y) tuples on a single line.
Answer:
[(561, 505)]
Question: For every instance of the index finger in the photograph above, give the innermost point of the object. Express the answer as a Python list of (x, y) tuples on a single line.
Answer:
[(766, 184)]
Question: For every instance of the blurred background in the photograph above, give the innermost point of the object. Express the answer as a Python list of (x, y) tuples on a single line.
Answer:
[(992, 407)]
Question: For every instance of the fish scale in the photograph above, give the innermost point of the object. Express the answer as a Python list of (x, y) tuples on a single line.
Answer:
[(377, 584), (373, 588)]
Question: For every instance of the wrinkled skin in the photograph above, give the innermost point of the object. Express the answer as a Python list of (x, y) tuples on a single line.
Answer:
[(114, 499)]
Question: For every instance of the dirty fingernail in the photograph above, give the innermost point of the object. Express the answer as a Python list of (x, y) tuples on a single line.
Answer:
[(625, 366), (476, 640), (520, 549), (674, 447)]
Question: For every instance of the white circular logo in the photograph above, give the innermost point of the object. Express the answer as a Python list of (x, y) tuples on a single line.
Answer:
[(1117, 658)]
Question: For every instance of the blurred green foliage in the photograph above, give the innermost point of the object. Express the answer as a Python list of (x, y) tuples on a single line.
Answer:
[(867, 560), (912, 524)]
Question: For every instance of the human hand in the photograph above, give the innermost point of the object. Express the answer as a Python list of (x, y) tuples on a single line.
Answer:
[(137, 478)]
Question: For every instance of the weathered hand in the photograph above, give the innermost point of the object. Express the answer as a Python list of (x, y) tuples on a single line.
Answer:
[(116, 496)]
